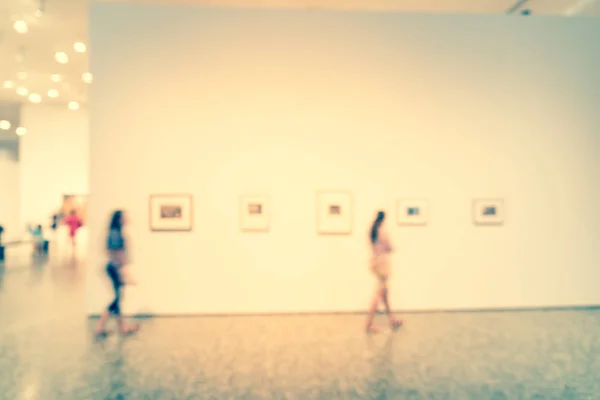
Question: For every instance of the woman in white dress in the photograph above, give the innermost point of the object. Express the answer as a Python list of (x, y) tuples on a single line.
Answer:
[(380, 267)]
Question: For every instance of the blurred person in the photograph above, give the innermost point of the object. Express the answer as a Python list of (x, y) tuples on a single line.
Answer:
[(74, 223), (117, 251), (38, 238), (380, 267)]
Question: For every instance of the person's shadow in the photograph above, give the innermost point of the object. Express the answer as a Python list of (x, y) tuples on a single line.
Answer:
[(113, 367), (382, 382)]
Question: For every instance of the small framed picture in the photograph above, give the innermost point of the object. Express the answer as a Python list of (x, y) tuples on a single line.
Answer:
[(412, 212), (489, 211), (170, 212), (334, 213), (254, 213)]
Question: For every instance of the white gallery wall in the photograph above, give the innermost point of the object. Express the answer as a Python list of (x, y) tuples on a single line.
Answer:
[(9, 187), (54, 159), (219, 103)]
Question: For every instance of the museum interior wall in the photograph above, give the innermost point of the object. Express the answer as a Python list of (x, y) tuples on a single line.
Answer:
[(217, 103), (9, 186), (54, 160)]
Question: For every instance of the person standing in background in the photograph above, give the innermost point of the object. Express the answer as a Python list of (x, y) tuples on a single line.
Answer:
[(54, 223), (380, 266), (73, 222), (37, 234)]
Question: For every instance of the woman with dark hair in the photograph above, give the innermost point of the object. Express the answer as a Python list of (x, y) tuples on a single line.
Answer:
[(380, 266), (117, 251)]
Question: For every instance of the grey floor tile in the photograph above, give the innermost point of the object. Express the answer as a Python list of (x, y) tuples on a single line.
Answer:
[(47, 352)]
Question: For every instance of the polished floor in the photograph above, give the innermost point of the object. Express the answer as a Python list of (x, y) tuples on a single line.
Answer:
[(47, 352)]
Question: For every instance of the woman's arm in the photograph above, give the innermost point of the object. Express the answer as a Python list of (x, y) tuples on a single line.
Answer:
[(385, 241), (118, 256), (126, 276)]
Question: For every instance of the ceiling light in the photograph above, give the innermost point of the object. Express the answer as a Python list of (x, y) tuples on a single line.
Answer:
[(73, 105), (22, 91), (22, 76), (80, 47), (35, 98), (61, 57), (9, 85), (21, 26), (4, 125), (53, 93), (21, 131), (56, 78), (87, 77)]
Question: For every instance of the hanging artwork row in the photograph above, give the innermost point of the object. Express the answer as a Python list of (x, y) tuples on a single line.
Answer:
[(334, 212)]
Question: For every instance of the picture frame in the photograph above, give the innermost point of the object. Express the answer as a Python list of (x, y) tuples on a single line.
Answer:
[(171, 212), (412, 212), (489, 211), (255, 213), (334, 213)]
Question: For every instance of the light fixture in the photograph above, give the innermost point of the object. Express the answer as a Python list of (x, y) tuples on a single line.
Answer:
[(21, 26), (21, 131), (80, 47), (9, 85), (61, 57), (22, 91), (22, 75), (4, 125), (56, 78), (87, 77), (53, 93), (73, 105), (35, 98)]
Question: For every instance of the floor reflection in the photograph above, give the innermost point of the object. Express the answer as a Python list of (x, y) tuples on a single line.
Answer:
[(47, 352)]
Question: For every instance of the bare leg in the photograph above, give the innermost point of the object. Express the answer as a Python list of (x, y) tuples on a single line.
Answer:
[(101, 326), (370, 327), (126, 328), (394, 322)]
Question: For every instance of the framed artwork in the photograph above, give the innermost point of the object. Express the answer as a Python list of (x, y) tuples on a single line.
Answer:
[(334, 213), (412, 212), (254, 213), (170, 212), (77, 203), (488, 211)]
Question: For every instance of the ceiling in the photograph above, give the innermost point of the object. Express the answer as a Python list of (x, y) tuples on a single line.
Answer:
[(56, 25)]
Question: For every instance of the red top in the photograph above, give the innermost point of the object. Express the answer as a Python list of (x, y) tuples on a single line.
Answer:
[(73, 222)]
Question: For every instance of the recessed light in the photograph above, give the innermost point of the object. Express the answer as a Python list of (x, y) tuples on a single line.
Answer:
[(80, 47), (35, 98), (56, 78), (21, 131), (53, 93), (61, 57), (21, 26), (22, 75), (9, 85), (4, 125), (22, 91), (87, 77), (73, 105)]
